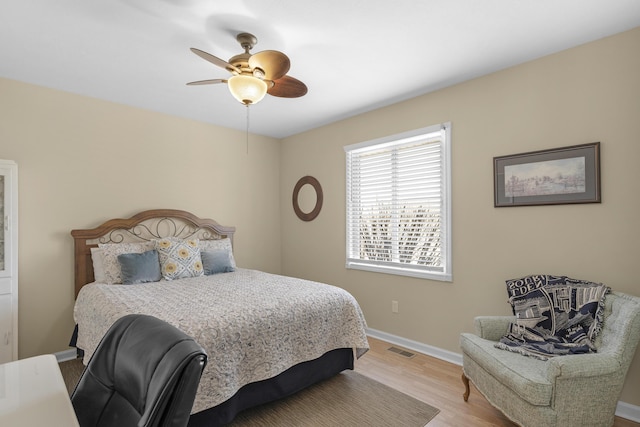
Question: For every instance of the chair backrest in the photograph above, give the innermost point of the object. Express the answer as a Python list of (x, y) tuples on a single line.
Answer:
[(145, 372), (621, 328)]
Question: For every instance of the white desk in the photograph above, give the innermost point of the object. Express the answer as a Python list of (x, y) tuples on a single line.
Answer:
[(33, 393)]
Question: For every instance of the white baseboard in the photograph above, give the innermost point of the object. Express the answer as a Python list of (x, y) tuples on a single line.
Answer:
[(623, 410), (429, 350), (628, 411), (63, 356)]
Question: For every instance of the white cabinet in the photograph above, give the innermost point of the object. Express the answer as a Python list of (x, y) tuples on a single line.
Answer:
[(8, 261)]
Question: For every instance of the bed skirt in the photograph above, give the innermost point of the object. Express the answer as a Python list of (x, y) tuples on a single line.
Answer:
[(287, 383)]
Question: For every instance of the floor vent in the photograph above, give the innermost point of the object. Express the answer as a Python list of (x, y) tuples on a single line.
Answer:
[(401, 352)]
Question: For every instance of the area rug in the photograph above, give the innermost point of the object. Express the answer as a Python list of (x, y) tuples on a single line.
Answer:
[(347, 399)]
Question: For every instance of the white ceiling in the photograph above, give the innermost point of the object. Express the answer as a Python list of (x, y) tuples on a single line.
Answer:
[(354, 55)]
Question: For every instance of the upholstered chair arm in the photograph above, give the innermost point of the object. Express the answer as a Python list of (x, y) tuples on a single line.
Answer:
[(492, 327), (593, 378), (582, 365)]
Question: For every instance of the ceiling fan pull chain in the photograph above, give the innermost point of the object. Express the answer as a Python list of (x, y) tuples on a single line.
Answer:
[(247, 105)]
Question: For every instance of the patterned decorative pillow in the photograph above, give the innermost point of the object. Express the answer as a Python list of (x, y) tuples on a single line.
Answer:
[(110, 252), (179, 258), (212, 245)]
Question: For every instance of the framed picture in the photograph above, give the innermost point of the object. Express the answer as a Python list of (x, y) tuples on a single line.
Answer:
[(548, 177)]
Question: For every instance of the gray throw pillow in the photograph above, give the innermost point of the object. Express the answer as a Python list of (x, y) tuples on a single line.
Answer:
[(216, 261), (140, 268)]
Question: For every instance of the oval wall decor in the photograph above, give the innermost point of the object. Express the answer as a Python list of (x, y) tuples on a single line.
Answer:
[(307, 180)]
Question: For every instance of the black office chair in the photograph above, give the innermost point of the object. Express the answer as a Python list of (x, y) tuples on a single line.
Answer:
[(144, 373)]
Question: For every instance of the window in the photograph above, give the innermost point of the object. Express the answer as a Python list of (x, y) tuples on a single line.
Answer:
[(399, 204)]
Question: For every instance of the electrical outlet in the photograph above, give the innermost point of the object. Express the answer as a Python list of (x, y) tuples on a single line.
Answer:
[(394, 306)]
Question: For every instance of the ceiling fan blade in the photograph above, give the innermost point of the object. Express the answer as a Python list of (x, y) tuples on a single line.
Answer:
[(274, 64), (287, 87), (216, 61), (206, 82)]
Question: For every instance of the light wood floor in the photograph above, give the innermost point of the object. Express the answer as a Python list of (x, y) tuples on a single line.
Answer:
[(437, 383)]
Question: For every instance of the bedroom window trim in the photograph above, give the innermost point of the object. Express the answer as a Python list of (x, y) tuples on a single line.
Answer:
[(427, 150)]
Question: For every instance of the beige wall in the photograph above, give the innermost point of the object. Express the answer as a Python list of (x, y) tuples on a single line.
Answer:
[(586, 94), (82, 161)]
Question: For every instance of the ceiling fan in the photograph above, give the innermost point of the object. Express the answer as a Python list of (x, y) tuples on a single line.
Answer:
[(255, 75)]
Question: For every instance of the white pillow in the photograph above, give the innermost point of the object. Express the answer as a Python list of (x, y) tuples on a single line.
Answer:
[(110, 252), (225, 244), (98, 265)]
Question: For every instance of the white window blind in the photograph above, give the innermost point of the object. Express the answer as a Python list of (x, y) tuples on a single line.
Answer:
[(398, 204)]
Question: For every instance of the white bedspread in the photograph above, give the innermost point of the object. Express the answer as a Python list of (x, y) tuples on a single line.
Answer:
[(253, 325)]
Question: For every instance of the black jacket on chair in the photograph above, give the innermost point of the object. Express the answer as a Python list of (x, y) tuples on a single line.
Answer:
[(145, 372)]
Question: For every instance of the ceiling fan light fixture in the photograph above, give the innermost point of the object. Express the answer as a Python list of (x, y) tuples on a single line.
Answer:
[(247, 89)]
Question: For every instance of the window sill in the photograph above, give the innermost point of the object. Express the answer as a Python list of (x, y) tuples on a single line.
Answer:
[(400, 271)]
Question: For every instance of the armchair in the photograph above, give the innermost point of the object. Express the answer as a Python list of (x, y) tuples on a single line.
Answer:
[(571, 390)]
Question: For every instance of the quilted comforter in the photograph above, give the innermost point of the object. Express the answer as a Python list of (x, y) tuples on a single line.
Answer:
[(253, 325)]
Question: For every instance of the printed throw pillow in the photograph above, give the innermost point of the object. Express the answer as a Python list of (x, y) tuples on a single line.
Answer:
[(179, 258)]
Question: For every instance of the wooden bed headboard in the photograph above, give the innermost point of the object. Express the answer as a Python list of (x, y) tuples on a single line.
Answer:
[(144, 226)]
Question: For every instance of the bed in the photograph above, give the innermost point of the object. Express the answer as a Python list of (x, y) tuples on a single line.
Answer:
[(267, 336)]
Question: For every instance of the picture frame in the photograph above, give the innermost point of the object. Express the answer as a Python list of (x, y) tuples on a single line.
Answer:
[(564, 175)]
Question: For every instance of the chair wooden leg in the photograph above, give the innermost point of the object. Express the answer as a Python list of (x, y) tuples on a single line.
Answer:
[(465, 381)]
